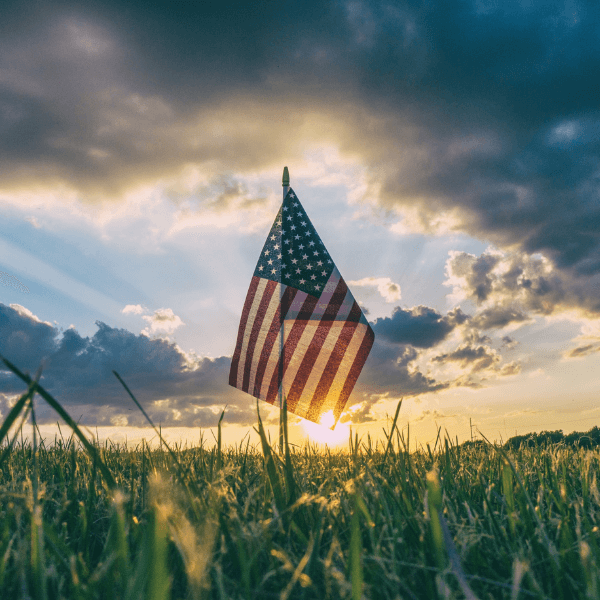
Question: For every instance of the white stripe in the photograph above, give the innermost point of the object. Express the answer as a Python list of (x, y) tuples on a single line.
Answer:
[(273, 360), (262, 335), (344, 370), (299, 353), (248, 330), (319, 367)]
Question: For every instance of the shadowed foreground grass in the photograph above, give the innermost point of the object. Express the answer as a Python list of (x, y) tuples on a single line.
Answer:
[(79, 520)]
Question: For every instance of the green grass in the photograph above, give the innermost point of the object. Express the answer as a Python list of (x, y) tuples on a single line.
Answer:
[(82, 520)]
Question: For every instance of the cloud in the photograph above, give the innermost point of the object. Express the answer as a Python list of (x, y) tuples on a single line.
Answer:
[(163, 321), (432, 415), (175, 388), (582, 351), (419, 326), (24, 338), (509, 287), (467, 117), (389, 290), (135, 309), (475, 358)]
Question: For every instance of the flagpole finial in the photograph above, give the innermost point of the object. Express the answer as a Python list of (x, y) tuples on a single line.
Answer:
[(286, 177)]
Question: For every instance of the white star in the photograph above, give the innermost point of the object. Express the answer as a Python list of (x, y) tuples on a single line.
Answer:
[(273, 237), (309, 267), (301, 247), (293, 227), (302, 281), (285, 208), (317, 287), (273, 271), (320, 263), (295, 203), (291, 251), (294, 260), (289, 218), (266, 253), (296, 237), (303, 223), (278, 223), (315, 253), (276, 246), (279, 256), (292, 195), (323, 272), (304, 256), (270, 262), (260, 268), (307, 233), (286, 241), (313, 276), (297, 270), (329, 262), (311, 243)]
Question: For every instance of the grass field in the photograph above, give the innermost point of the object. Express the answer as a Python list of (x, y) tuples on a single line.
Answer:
[(79, 520)]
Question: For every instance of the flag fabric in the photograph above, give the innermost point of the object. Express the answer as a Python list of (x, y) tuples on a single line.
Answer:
[(297, 291)]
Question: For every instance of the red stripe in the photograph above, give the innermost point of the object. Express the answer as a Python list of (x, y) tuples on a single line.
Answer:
[(258, 321), (336, 301), (240, 339), (290, 345), (310, 357), (355, 370), (286, 302)]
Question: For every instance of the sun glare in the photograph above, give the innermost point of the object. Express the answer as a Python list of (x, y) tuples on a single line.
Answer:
[(321, 432)]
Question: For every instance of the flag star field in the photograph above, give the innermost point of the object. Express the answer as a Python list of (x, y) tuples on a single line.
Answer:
[(294, 253)]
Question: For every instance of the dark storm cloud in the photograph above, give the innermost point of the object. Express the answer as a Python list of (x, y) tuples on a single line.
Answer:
[(25, 338), (582, 351), (488, 110), (476, 358), (509, 287), (392, 367), (189, 391), (173, 388), (420, 326)]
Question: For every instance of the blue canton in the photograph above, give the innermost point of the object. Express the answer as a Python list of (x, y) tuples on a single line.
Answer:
[(294, 253)]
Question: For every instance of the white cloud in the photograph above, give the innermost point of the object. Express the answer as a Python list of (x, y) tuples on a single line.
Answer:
[(385, 286), (33, 221), (163, 321), (135, 309), (25, 312)]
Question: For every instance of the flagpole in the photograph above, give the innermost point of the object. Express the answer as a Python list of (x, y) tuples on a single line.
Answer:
[(285, 182)]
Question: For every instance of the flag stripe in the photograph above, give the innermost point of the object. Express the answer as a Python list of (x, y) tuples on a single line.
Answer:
[(316, 343), (337, 385), (274, 327), (359, 361), (262, 284), (271, 313), (291, 342), (309, 395), (235, 361), (270, 299), (342, 351)]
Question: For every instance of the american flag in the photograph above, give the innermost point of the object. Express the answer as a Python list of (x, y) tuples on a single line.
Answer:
[(296, 289)]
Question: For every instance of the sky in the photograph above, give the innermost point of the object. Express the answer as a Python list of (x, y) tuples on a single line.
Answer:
[(447, 154)]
